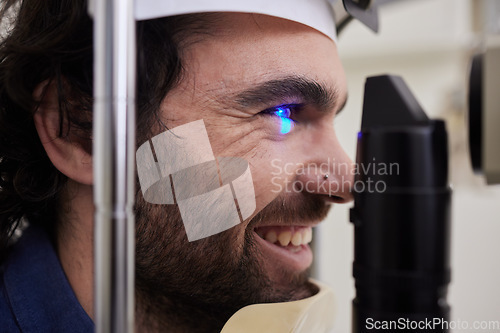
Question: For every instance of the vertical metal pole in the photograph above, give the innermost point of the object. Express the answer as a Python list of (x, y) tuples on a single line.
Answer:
[(113, 157)]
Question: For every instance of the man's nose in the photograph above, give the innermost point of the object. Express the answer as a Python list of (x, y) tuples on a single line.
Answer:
[(329, 171)]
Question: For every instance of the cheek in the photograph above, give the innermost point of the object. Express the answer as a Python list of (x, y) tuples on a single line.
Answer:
[(272, 157), (273, 170)]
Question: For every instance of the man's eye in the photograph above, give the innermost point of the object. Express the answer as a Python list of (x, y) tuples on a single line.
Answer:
[(284, 113)]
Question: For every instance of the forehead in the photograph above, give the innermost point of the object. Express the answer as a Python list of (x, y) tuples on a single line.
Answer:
[(243, 49)]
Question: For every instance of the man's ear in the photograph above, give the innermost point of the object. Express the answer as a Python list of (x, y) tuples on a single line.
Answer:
[(66, 152)]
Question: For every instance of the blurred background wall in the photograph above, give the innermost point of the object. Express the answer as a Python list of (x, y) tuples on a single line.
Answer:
[(429, 43)]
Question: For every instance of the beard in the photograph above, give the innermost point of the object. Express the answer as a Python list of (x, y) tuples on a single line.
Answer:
[(199, 285)]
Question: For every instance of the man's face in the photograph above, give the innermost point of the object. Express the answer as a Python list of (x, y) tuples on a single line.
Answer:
[(235, 78)]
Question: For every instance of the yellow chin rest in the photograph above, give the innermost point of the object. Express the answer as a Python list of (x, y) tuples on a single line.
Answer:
[(311, 315)]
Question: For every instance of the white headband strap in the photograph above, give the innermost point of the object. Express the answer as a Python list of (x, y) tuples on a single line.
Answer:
[(317, 14)]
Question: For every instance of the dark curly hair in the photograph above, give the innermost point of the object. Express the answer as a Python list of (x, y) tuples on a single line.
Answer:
[(51, 40)]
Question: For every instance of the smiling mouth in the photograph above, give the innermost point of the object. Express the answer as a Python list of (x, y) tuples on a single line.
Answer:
[(285, 247), (286, 237)]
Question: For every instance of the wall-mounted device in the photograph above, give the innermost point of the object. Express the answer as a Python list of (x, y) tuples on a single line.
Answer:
[(484, 111)]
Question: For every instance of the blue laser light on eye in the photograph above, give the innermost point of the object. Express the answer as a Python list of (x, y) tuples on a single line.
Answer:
[(286, 125), (283, 112), (286, 122)]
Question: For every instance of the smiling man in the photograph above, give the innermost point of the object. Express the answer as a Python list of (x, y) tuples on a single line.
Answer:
[(245, 75)]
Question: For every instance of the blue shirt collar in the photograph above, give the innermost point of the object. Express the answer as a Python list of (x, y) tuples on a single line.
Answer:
[(39, 293)]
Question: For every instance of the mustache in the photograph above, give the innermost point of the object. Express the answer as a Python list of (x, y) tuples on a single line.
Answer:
[(289, 209)]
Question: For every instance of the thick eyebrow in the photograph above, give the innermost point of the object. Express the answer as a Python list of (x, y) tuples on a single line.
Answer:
[(275, 91)]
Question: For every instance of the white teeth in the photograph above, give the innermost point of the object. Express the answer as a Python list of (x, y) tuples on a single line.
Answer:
[(307, 238), (271, 237), (297, 239), (284, 238)]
